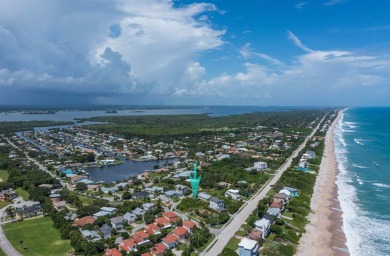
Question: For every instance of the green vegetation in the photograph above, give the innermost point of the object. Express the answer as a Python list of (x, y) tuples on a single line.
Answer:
[(170, 127), (85, 200), (190, 204), (2, 253), (6, 127), (3, 175), (23, 193), (37, 237), (233, 243), (4, 204)]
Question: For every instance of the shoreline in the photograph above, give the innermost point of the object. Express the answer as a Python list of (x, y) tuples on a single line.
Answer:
[(324, 233)]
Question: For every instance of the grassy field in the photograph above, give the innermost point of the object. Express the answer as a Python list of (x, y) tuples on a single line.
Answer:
[(86, 200), (3, 175), (23, 193), (38, 236), (2, 253), (4, 204)]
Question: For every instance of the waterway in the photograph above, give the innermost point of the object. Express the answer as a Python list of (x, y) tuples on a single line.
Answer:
[(124, 171)]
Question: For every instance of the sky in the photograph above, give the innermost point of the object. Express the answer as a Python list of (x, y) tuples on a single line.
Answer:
[(221, 52)]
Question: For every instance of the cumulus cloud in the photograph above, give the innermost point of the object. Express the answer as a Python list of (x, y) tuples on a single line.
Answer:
[(314, 78), (105, 48)]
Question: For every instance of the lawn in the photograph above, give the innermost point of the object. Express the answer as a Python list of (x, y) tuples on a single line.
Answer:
[(38, 236), (86, 200), (4, 204), (233, 243), (3, 175), (2, 253), (23, 193)]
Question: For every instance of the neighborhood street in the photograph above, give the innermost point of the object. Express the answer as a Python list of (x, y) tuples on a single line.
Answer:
[(5, 245), (217, 245)]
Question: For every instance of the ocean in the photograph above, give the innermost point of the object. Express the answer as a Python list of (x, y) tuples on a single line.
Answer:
[(362, 148)]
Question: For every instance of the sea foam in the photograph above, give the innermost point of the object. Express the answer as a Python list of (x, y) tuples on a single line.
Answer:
[(365, 234)]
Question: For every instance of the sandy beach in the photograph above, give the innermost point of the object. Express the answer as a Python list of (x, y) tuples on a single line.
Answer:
[(324, 234)]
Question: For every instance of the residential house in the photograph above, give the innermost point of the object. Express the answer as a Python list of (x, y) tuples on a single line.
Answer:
[(113, 252), (233, 194), (294, 191), (110, 210), (117, 222), (260, 166), (148, 206), (55, 198), (310, 154), (256, 235), (141, 237), (164, 199), (163, 222), (269, 217), (28, 209), (248, 247), (105, 230), (141, 194), (158, 249), (90, 235), (170, 241), (171, 216), (264, 226), (204, 196), (189, 225), (128, 245), (84, 221), (286, 192), (152, 229), (217, 204), (274, 211), (281, 198), (130, 217), (8, 194), (138, 212), (181, 232)]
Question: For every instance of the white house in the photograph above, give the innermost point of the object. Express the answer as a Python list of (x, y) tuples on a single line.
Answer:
[(260, 166), (216, 204), (233, 193), (264, 226), (248, 247)]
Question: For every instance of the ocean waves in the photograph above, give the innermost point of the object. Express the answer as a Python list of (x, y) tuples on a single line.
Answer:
[(367, 230)]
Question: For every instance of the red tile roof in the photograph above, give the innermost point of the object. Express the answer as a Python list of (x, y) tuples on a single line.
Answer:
[(84, 221), (162, 221), (142, 234), (170, 239), (151, 229), (180, 231), (189, 224), (129, 242), (137, 239), (159, 248), (124, 247), (169, 214), (146, 254), (113, 252), (276, 205)]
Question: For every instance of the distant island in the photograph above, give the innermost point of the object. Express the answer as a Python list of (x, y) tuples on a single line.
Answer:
[(39, 112)]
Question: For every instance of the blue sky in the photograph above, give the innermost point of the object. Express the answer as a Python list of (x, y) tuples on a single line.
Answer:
[(281, 52)]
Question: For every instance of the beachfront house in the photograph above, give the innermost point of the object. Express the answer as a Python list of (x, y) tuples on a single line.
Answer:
[(294, 191), (264, 225), (233, 194), (248, 247)]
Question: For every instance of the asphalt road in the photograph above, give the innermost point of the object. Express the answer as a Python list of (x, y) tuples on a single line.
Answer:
[(231, 228), (5, 245)]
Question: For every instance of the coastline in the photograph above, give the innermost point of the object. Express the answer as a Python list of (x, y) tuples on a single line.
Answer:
[(324, 234)]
